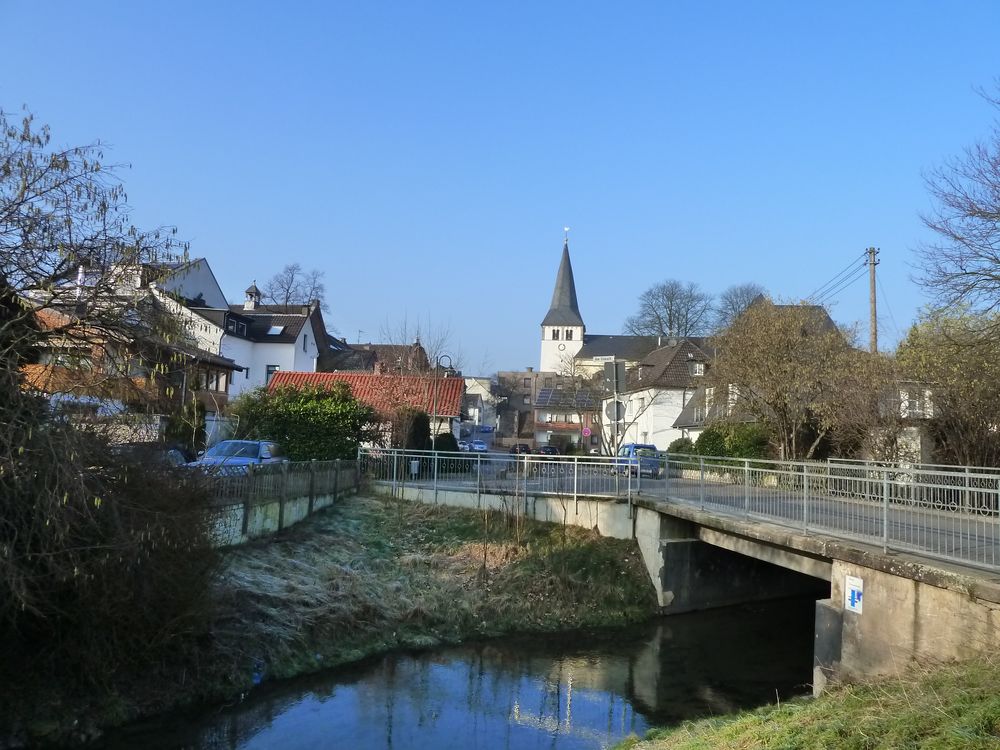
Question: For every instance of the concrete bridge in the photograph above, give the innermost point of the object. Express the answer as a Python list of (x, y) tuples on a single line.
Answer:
[(901, 561)]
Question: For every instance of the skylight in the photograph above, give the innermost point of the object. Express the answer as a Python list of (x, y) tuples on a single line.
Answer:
[(275, 330)]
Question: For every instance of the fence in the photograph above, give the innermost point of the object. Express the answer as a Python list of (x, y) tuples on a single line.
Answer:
[(257, 500), (945, 512)]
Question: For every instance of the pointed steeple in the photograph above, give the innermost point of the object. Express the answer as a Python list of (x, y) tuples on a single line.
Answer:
[(564, 310)]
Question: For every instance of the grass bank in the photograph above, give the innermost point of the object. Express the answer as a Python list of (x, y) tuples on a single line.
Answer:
[(944, 707), (365, 576)]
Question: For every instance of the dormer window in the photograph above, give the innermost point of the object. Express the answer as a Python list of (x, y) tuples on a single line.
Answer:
[(555, 334), (696, 369)]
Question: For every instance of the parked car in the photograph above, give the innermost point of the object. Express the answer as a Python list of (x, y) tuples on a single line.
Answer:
[(639, 458), (479, 446), (520, 448), (242, 453), (486, 428), (463, 445), (547, 450)]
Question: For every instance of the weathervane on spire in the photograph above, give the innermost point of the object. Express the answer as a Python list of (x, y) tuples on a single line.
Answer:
[(566, 230)]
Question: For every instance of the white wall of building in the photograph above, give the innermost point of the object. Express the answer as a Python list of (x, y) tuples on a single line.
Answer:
[(650, 415), (557, 350)]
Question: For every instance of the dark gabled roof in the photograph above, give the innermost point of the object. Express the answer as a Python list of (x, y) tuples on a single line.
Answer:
[(629, 348), (566, 398), (564, 310), (669, 366), (291, 318), (349, 359)]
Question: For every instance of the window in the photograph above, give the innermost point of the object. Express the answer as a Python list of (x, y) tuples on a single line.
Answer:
[(271, 369), (555, 334), (526, 383), (527, 399), (569, 334), (548, 382), (593, 439), (642, 405), (696, 368), (275, 330), (231, 326), (305, 343), (241, 329)]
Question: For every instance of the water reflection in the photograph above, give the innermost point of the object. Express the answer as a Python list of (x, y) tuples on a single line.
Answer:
[(559, 693)]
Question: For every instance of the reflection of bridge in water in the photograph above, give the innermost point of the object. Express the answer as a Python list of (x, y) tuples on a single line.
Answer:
[(562, 692)]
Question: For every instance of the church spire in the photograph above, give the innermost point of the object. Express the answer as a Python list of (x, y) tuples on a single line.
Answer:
[(564, 310)]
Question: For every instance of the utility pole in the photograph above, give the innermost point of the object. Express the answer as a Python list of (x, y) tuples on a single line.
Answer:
[(873, 335)]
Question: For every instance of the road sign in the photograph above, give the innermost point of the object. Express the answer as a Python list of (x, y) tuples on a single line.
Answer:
[(614, 376), (586, 432), (609, 411), (854, 590)]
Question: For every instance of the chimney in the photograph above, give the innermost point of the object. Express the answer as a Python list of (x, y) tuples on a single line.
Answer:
[(530, 369)]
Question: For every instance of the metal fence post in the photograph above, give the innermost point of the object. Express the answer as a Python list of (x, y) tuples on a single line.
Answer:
[(576, 483), (885, 510), (746, 487), (282, 496), (479, 480), (336, 482), (805, 497), (701, 482), (968, 482), (246, 499), (312, 485), (395, 470), (436, 455)]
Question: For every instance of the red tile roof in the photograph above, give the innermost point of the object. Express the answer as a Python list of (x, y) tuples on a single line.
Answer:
[(386, 393)]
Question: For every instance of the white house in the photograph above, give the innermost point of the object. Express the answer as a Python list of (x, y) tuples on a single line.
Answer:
[(659, 389)]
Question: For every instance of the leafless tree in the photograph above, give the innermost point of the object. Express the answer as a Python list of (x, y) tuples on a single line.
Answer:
[(294, 286), (734, 301), (671, 308), (962, 265), (436, 338)]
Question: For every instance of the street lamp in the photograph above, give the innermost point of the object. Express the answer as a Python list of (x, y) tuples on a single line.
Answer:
[(437, 369)]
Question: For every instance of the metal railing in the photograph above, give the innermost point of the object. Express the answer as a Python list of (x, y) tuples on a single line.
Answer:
[(942, 512)]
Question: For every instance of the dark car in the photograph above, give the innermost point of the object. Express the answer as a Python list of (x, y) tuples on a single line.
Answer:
[(547, 450), (520, 448)]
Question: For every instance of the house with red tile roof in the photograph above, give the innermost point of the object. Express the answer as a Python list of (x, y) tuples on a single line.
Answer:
[(439, 397)]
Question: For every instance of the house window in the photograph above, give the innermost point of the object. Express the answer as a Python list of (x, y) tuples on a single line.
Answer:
[(223, 382), (271, 369), (241, 329), (527, 399), (526, 383), (642, 405), (569, 334), (696, 368), (548, 382), (555, 334), (593, 439), (305, 343), (231, 326)]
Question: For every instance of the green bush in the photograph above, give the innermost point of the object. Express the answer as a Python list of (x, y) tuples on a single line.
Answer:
[(309, 423), (747, 441), (711, 442), (446, 442), (681, 445)]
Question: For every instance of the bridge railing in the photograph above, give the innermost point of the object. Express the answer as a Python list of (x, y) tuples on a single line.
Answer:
[(944, 512)]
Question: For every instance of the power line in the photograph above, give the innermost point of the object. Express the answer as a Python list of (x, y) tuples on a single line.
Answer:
[(823, 290), (840, 286), (889, 308)]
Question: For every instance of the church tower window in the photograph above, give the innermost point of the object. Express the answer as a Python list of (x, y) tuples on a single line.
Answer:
[(555, 334), (569, 334)]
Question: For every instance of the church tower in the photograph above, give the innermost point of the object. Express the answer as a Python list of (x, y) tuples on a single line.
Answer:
[(562, 327)]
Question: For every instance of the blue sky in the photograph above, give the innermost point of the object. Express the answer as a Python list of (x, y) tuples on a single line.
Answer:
[(426, 156)]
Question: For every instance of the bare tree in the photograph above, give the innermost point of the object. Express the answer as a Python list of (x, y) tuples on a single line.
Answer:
[(294, 286), (672, 308), (436, 339), (734, 301), (962, 265)]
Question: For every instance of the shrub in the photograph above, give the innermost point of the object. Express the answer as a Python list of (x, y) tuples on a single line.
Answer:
[(446, 442), (681, 445), (711, 442), (309, 423), (747, 441)]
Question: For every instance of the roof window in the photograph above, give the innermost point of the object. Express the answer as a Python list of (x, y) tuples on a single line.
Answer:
[(275, 330)]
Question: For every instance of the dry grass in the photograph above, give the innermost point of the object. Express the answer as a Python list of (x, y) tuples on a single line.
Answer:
[(372, 574), (939, 707)]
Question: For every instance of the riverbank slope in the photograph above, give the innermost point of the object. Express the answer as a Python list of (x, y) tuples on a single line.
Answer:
[(365, 576), (944, 707)]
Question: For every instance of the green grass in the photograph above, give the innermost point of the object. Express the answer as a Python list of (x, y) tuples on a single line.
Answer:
[(939, 707)]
